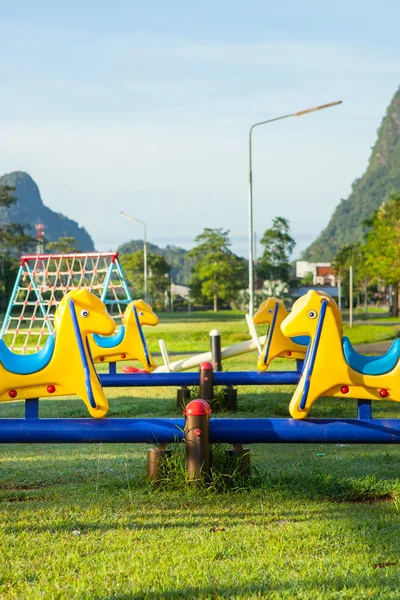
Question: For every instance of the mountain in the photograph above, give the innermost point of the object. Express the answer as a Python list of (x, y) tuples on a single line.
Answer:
[(181, 265), (379, 181), (29, 208)]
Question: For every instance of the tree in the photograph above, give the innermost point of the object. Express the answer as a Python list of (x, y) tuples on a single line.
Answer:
[(278, 245), (181, 266), (64, 245), (14, 241), (382, 247), (157, 273), (218, 274)]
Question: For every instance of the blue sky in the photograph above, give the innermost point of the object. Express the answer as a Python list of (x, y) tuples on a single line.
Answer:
[(145, 107)]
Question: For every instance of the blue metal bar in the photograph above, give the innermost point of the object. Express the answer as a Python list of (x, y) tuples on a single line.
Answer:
[(106, 283), (112, 368), (299, 365), (314, 349), (364, 409), (146, 431), (308, 431), (122, 276), (82, 353), (11, 302), (32, 408), (179, 379), (255, 378), (240, 431)]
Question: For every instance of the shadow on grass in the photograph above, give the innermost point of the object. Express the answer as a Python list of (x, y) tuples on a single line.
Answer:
[(309, 587)]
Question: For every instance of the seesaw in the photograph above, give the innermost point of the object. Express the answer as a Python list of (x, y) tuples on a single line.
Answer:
[(64, 366), (332, 367), (129, 343), (272, 312), (275, 344)]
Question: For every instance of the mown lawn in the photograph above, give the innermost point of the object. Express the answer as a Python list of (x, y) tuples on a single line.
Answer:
[(185, 336), (314, 521)]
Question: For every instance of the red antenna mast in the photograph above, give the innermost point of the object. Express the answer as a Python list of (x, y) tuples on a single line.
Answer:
[(39, 237)]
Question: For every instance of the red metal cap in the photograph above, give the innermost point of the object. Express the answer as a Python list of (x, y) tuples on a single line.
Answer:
[(196, 408), (206, 366)]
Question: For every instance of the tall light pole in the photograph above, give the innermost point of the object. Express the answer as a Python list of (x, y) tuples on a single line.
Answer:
[(251, 255), (146, 297)]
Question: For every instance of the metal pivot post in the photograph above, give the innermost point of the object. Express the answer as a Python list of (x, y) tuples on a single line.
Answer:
[(240, 458), (215, 347), (197, 438), (206, 381), (155, 459), (182, 396)]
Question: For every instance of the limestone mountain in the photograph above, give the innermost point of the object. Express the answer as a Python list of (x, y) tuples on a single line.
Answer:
[(379, 181), (29, 208)]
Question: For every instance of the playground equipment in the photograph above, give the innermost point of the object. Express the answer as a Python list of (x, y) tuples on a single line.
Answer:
[(64, 366), (129, 342), (332, 367), (272, 311), (42, 282), (195, 361), (202, 432)]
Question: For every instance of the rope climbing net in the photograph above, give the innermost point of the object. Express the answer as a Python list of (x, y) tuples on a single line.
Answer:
[(42, 282)]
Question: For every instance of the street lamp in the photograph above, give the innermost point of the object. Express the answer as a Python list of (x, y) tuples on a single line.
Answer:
[(144, 250), (251, 255)]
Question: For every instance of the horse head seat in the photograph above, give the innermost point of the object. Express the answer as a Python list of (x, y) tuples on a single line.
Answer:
[(90, 313), (268, 310), (371, 365), (28, 363), (140, 312), (309, 311)]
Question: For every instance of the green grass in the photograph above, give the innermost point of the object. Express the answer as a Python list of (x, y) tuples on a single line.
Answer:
[(188, 336), (80, 521)]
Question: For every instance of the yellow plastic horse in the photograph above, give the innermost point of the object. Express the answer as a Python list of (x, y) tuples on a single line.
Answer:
[(64, 365), (273, 312), (332, 366), (129, 343)]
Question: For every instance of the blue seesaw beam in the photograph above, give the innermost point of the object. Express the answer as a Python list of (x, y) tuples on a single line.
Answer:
[(240, 431), (181, 379)]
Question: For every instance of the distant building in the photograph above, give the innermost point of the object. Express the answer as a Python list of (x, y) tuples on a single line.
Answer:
[(322, 273), (324, 276), (303, 267)]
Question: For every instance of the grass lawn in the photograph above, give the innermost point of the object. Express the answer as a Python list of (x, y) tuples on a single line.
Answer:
[(186, 335), (314, 522)]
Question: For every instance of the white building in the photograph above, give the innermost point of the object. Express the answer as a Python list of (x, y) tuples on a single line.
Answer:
[(303, 267)]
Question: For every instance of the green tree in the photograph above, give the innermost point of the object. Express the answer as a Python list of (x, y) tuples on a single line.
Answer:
[(181, 265), (14, 241), (382, 247), (217, 274), (277, 245), (157, 274), (64, 245), (307, 280)]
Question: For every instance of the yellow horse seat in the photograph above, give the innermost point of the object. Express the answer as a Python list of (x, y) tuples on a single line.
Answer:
[(29, 363), (371, 365), (110, 342)]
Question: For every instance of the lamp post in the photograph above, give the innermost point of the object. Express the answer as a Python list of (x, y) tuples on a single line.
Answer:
[(251, 255), (146, 297)]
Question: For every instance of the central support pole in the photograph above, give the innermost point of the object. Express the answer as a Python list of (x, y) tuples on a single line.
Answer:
[(197, 438)]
